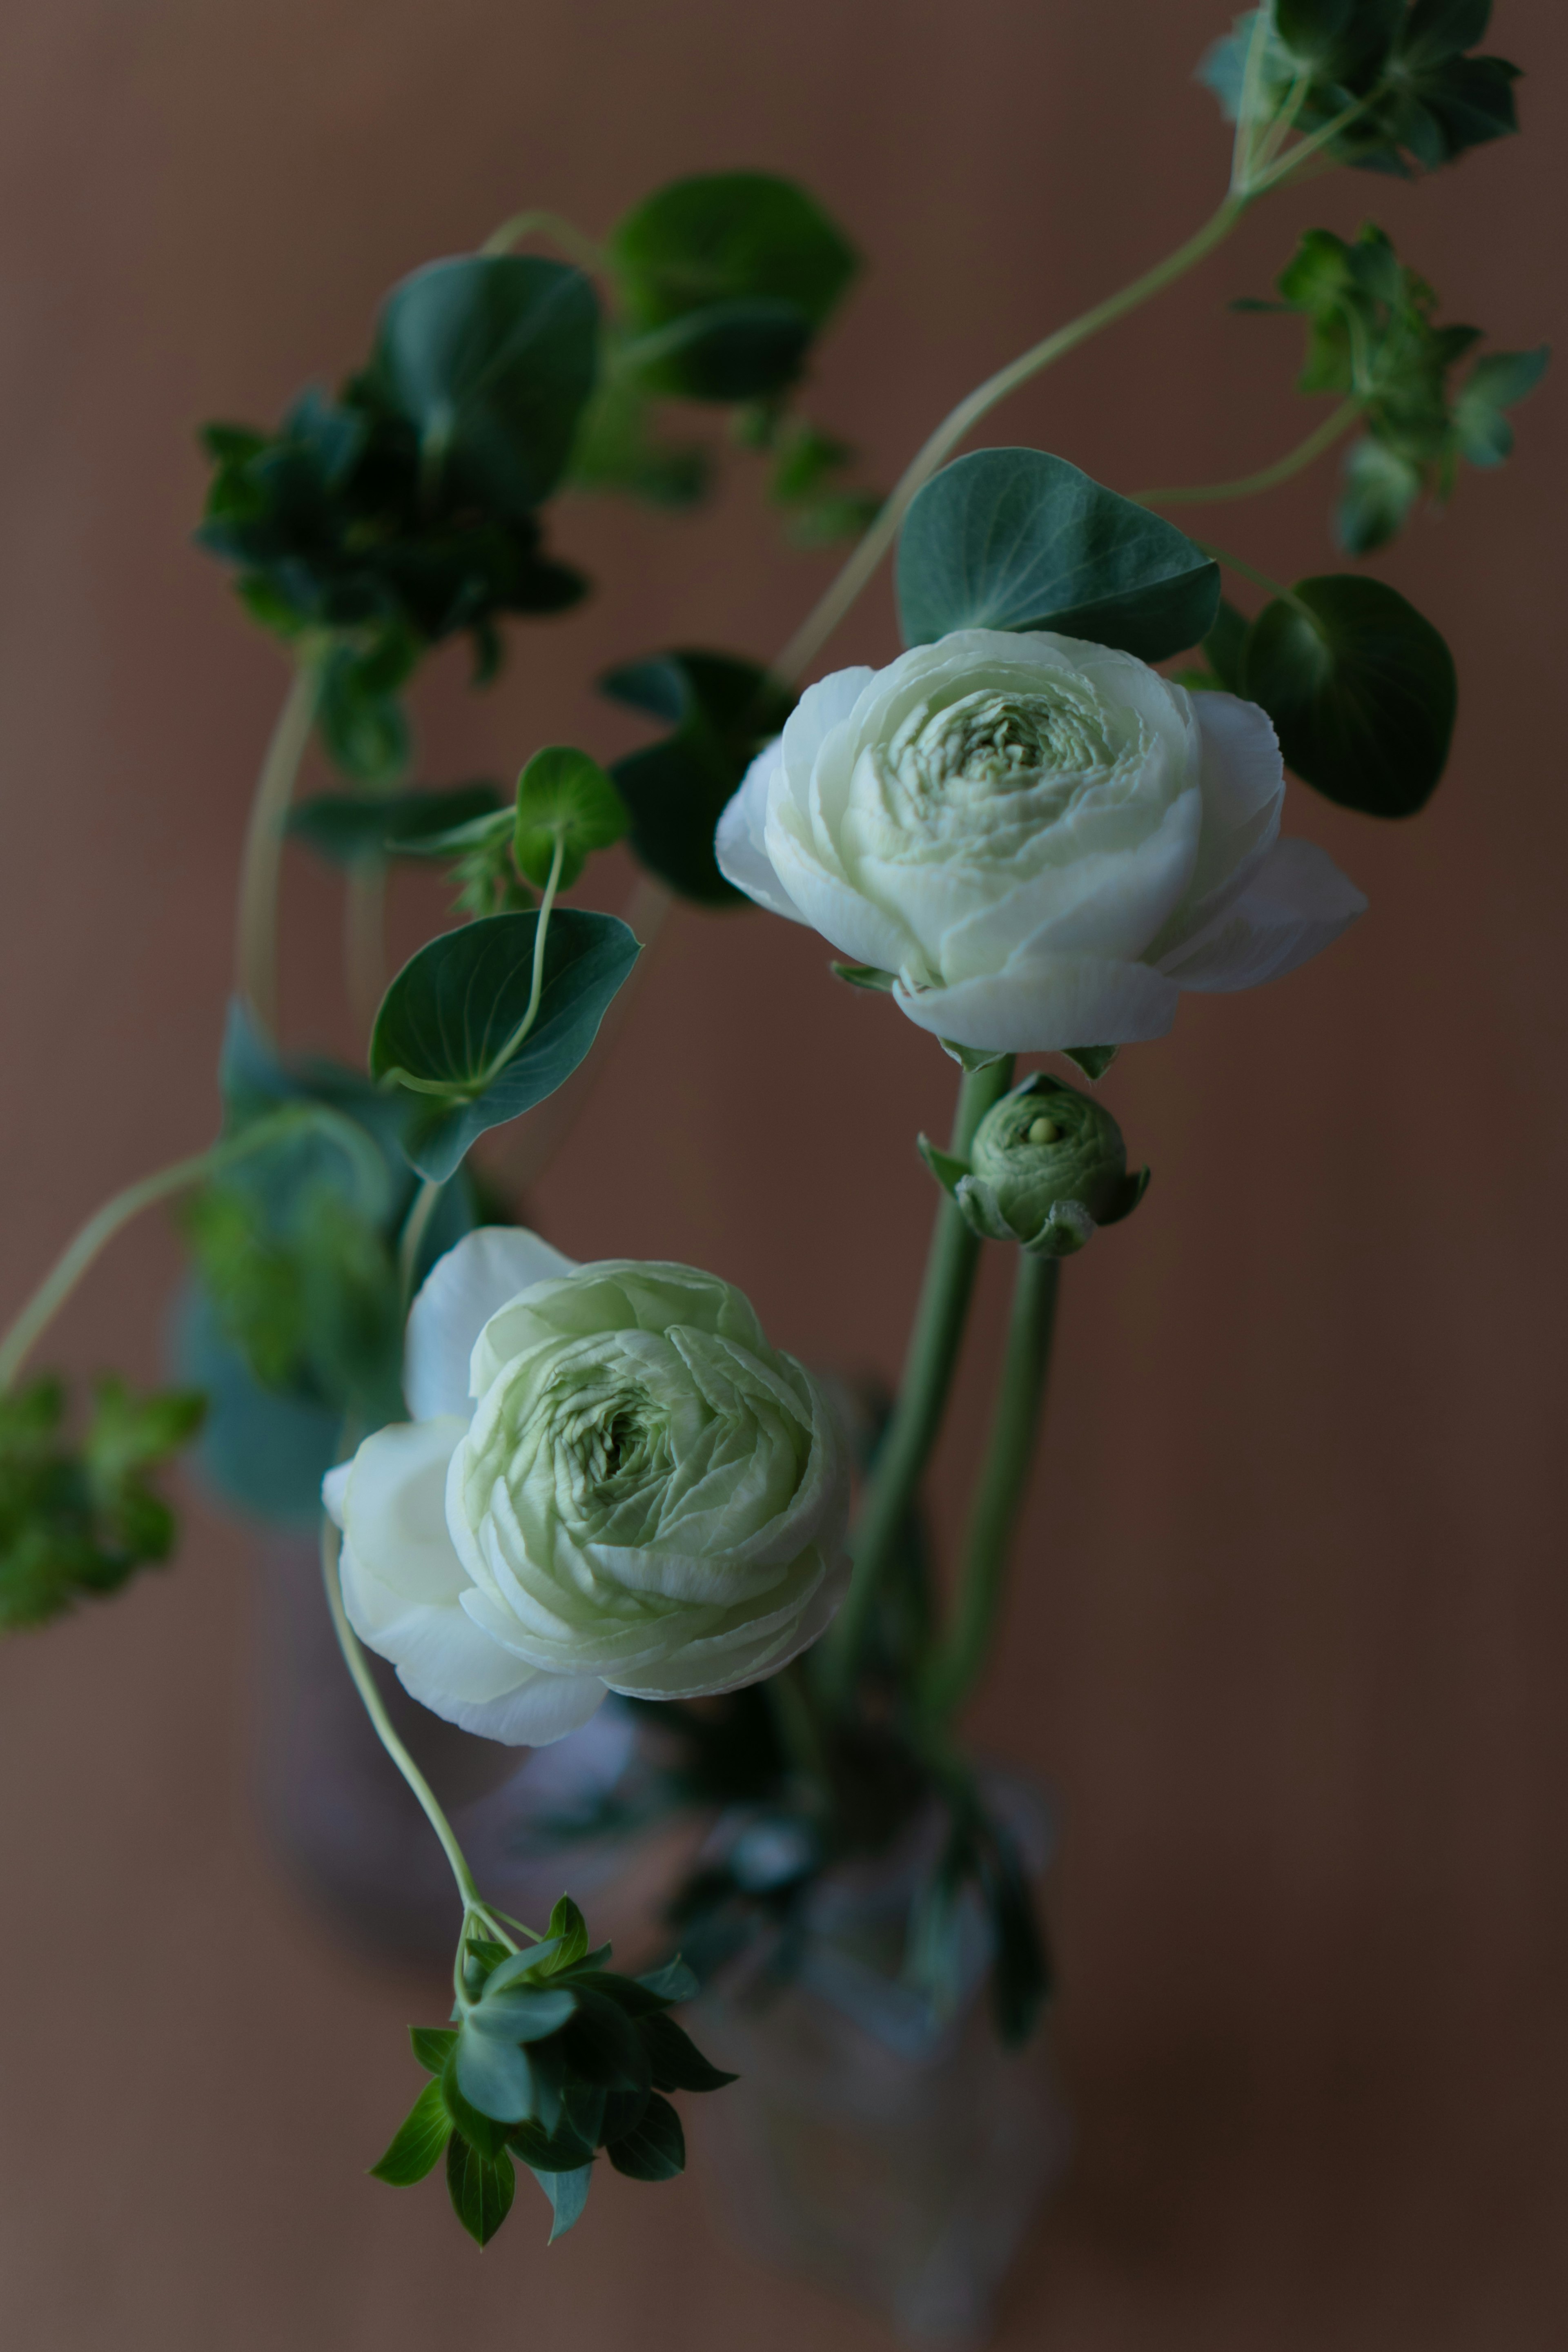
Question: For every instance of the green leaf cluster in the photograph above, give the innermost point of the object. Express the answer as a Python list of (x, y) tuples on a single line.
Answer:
[(721, 710), (1016, 539), (554, 2057), (372, 526), (1415, 96), (1361, 689), (719, 285), (1372, 337), (78, 1519)]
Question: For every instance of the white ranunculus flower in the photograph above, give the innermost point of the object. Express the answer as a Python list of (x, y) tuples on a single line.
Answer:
[(1046, 841), (612, 1482)]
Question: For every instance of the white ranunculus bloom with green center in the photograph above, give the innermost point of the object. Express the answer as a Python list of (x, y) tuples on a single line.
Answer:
[(1043, 841), (611, 1482)]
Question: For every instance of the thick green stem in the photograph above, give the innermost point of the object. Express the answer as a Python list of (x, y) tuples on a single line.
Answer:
[(819, 625), (358, 1666), (255, 943), (999, 1493), (101, 1228), (916, 1418), (1267, 478)]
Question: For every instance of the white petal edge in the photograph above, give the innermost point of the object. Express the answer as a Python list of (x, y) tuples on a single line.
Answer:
[(462, 1290), (394, 1507), (1295, 905), (669, 1682), (739, 843), (1043, 1005)]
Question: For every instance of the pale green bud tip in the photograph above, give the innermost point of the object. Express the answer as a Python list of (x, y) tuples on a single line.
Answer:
[(1048, 1164)]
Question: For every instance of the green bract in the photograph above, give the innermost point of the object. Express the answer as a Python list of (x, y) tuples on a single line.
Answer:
[(1047, 1166)]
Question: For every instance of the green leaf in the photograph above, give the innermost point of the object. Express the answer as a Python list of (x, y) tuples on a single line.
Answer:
[(1361, 689), (1092, 1060), (420, 2144), (1225, 645), (1381, 488), (490, 358), (482, 2186), (604, 2047), (492, 2072), (1497, 381), (568, 2193), (675, 2062), (1338, 39), (453, 1009), (347, 827), (864, 975), (516, 2014), (564, 797), (1436, 30), (1014, 539), (947, 1169), (675, 1981), (723, 710), (433, 2045), (968, 1057), (569, 1931), (746, 264), (654, 2148), (482, 2130)]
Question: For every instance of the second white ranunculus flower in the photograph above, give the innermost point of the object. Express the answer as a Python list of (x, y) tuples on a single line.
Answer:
[(1045, 841), (612, 1482)]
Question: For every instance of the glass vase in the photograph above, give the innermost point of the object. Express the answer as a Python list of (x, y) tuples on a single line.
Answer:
[(893, 2154)]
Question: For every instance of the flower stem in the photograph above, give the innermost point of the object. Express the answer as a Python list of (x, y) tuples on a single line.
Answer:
[(416, 1225), (917, 1416), (952, 1673), (101, 1228), (375, 1708), (1267, 478), (256, 942), (541, 931), (364, 940), (820, 624)]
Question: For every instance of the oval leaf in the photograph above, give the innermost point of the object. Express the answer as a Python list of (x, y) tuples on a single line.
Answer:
[(564, 796), (481, 2189), (1014, 539), (490, 358), (420, 2145), (655, 2147), (451, 1010), (1361, 689)]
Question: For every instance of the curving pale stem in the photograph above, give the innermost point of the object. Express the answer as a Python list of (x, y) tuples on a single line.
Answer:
[(256, 942), (1267, 478)]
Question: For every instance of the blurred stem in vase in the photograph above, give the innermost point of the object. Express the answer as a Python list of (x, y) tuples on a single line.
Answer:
[(922, 1394), (365, 940), (998, 1495), (255, 945)]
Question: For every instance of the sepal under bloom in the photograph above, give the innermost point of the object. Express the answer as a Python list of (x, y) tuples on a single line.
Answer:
[(612, 1482)]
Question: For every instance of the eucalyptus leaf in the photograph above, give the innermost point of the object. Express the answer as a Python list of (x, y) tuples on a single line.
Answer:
[(453, 1009), (490, 357), (420, 2144), (1015, 539), (1361, 689), (655, 2147), (481, 2189), (565, 800), (568, 2194)]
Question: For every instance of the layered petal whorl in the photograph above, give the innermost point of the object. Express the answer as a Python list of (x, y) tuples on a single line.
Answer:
[(1026, 831), (643, 1495)]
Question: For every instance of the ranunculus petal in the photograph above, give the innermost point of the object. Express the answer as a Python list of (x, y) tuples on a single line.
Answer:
[(1242, 780), (1040, 1003), (394, 1507), (458, 1295), (824, 705), (1295, 904), (740, 844), (860, 931), (705, 1671)]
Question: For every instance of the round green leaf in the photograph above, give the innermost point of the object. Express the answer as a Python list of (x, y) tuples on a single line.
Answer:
[(565, 797), (1014, 539), (1361, 689), (453, 1007), (491, 359), (729, 237)]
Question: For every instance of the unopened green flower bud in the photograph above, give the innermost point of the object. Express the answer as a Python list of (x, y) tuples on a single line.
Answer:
[(1048, 1164)]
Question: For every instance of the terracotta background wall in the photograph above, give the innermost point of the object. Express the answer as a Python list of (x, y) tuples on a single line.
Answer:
[(1288, 1629)]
